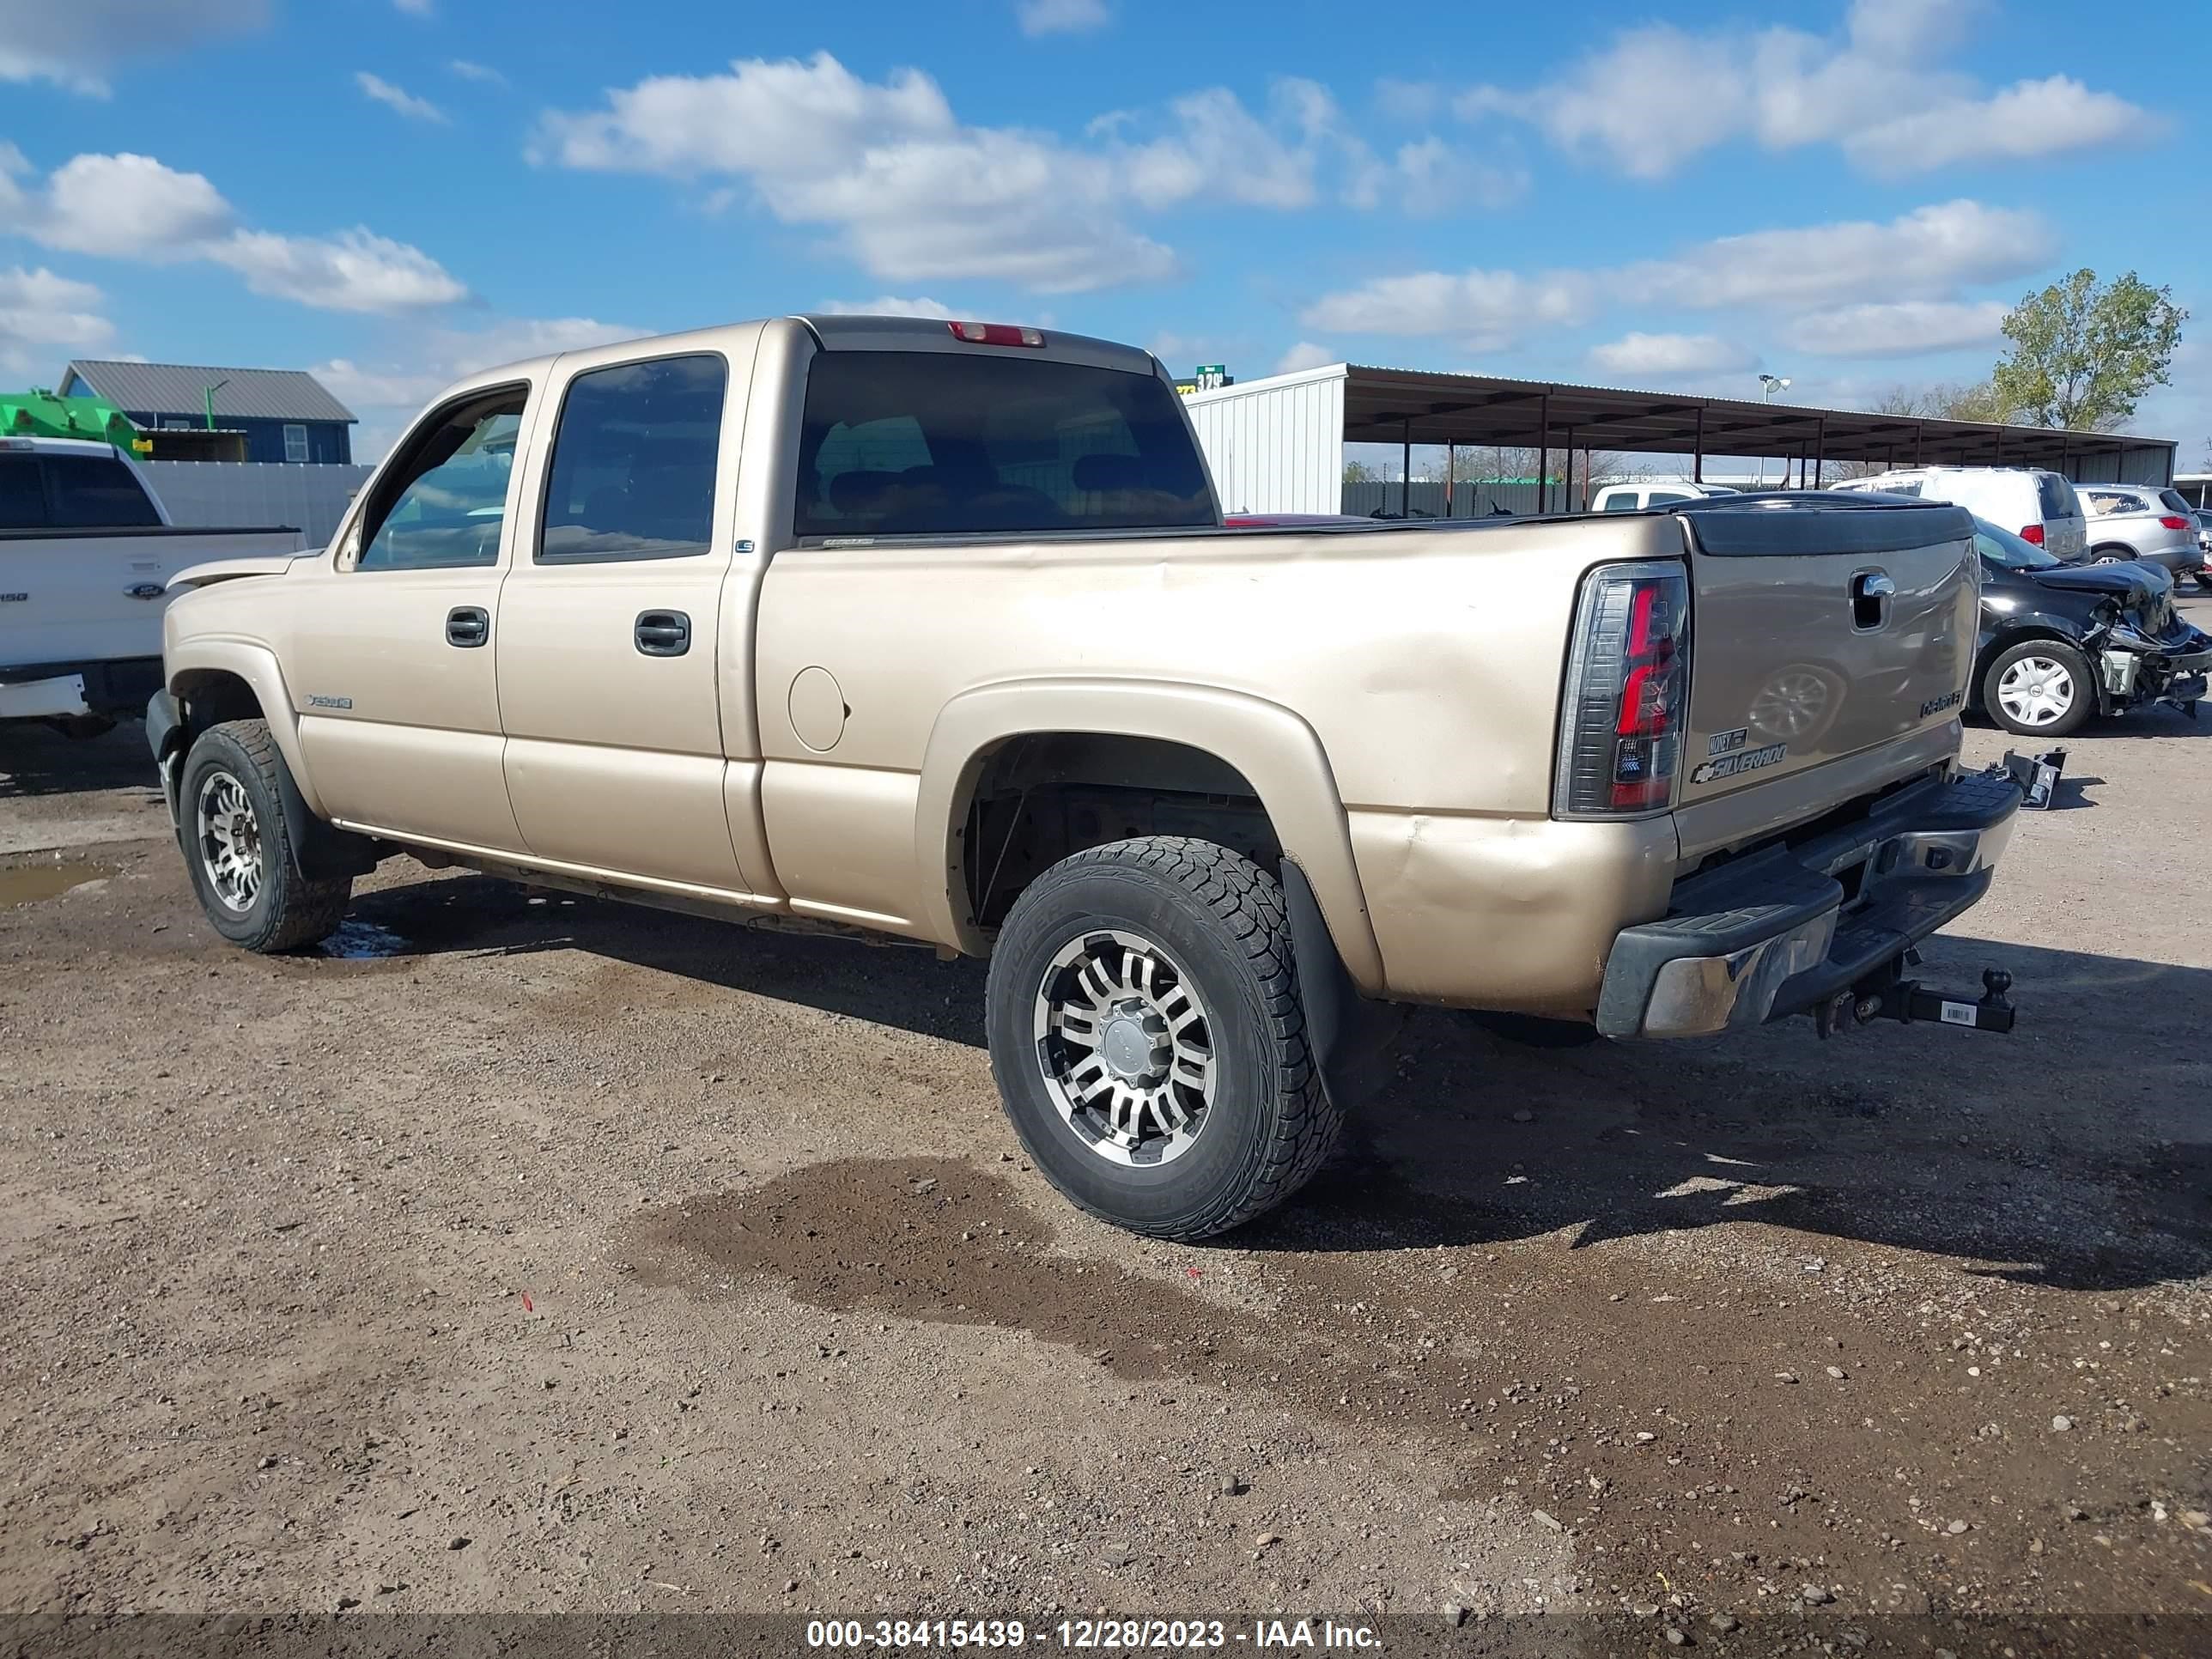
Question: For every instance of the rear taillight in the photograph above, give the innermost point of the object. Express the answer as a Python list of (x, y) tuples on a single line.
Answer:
[(2032, 533), (1620, 724), (995, 334), (2173, 523)]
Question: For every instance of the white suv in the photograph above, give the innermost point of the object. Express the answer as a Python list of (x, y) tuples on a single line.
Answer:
[(2036, 506)]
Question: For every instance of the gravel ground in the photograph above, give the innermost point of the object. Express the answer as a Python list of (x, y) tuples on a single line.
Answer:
[(536, 1254)]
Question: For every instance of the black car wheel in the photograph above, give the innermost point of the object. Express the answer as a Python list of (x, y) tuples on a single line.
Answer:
[(2039, 688), (1148, 1040)]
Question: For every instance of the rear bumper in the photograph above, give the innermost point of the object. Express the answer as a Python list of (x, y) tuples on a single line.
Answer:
[(1780, 932)]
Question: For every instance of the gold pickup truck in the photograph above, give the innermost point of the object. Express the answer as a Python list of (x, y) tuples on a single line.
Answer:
[(935, 629)]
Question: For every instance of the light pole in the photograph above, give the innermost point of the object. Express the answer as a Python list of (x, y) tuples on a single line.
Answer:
[(207, 399), (1768, 385)]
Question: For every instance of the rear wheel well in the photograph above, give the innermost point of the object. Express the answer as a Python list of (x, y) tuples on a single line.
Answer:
[(1043, 796)]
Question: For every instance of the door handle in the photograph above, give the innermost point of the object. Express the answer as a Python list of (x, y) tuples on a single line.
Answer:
[(663, 633), (467, 625), (1871, 593)]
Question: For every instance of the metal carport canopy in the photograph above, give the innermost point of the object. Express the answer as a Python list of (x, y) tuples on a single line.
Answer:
[(1407, 405)]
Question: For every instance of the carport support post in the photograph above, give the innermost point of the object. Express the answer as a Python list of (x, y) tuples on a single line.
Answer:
[(1451, 449), (1543, 453), (1567, 474), (1820, 453), (1406, 473), (1698, 456)]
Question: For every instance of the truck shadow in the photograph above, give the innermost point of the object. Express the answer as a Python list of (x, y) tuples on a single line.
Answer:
[(2076, 1154), (36, 760)]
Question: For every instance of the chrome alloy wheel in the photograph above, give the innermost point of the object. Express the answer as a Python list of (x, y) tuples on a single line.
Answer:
[(2036, 691), (230, 838), (1125, 1047)]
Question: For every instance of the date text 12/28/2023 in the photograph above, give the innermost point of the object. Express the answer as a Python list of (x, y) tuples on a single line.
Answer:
[(1084, 1635)]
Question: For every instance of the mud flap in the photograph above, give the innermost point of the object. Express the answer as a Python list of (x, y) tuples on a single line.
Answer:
[(1351, 1035)]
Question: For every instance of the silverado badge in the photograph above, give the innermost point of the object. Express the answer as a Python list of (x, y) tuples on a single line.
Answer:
[(1744, 760)]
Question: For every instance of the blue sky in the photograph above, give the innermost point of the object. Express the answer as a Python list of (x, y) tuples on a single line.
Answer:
[(393, 192)]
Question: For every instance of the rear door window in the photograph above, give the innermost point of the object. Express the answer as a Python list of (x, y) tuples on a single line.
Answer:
[(90, 492), (2104, 503), (634, 461), (2171, 501), (935, 443), (1622, 500), (1661, 497)]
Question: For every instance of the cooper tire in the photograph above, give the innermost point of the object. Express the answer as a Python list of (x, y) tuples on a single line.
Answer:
[(1214, 922), (231, 795), (2056, 653)]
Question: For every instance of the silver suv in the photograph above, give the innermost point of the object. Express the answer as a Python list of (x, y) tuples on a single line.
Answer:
[(2143, 522)]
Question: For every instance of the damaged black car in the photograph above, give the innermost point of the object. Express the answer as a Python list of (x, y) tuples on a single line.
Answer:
[(2060, 642)]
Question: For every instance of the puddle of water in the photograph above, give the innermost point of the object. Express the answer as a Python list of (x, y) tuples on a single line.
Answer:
[(34, 882), (362, 941)]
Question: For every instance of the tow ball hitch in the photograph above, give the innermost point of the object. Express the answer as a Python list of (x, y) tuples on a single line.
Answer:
[(1907, 1000)]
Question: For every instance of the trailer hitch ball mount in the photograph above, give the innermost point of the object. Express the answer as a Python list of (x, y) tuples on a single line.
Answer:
[(1887, 996)]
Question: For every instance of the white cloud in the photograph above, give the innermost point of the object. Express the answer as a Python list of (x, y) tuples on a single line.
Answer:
[(353, 270), (1669, 354), (888, 305), (39, 309), (1901, 329), (1305, 354), (1656, 95), (1431, 177), (129, 206), (2023, 123), (914, 195), (1408, 101), (398, 98), (1927, 253), (1835, 289), (133, 207), (481, 72), (1061, 16), (77, 43), (1485, 310)]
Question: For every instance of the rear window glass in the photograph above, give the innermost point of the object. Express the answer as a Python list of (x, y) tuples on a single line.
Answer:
[(2056, 496), (85, 492), (936, 443), (2171, 500), (1620, 501)]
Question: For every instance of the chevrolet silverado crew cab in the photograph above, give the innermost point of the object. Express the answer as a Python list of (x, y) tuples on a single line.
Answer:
[(934, 629)]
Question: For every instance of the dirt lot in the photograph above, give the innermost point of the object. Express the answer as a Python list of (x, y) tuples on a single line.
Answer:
[(544, 1254)]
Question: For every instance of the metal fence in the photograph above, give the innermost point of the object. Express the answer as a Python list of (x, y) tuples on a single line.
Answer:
[(248, 495), (1471, 498)]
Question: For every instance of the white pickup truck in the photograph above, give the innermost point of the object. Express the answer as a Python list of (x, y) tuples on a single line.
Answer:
[(87, 551)]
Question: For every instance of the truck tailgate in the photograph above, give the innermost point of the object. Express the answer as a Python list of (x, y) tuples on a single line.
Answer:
[(1823, 627)]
